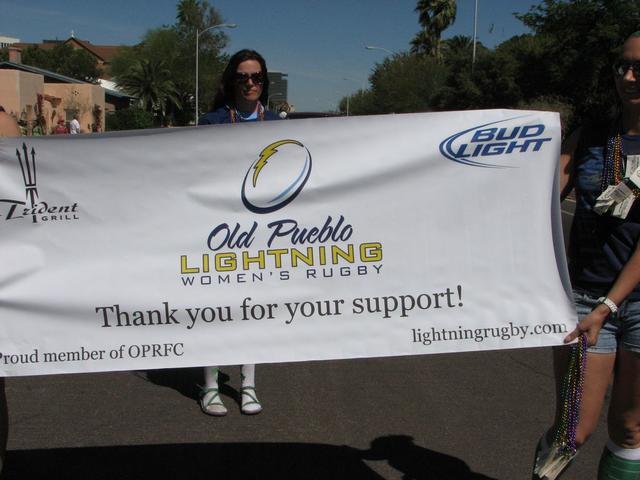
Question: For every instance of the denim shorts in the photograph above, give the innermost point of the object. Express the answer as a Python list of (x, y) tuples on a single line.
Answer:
[(621, 328)]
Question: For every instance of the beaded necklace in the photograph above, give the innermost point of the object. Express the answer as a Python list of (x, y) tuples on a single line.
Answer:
[(614, 162), (571, 396), (234, 115), (551, 460)]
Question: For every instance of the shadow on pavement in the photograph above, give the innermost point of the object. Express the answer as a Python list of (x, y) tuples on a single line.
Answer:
[(190, 461), (238, 461), (417, 462), (187, 381)]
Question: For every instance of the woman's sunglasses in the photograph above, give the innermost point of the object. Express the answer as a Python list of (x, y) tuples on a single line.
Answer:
[(621, 67), (257, 78)]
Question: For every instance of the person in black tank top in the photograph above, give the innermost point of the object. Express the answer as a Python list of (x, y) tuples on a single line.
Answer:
[(603, 165)]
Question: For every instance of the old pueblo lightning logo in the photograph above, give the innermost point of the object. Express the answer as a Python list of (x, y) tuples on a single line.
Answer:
[(493, 144), (324, 247), (39, 211), (276, 177)]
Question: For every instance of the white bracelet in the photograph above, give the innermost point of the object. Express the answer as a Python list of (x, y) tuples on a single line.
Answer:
[(609, 303)]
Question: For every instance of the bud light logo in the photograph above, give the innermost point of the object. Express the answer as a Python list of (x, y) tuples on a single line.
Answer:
[(493, 144)]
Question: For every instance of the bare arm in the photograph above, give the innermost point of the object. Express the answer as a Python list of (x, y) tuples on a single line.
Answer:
[(625, 283), (567, 152)]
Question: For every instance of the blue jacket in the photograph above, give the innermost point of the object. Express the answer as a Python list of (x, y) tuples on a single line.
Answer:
[(222, 115)]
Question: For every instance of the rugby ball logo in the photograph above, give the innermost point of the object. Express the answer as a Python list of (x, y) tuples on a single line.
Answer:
[(276, 177)]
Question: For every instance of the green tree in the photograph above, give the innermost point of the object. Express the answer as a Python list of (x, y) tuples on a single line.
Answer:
[(577, 43), (150, 81), (190, 12), (175, 46), (457, 45), (501, 78), (195, 17), (524, 53), (65, 60), (133, 118), (553, 104), (422, 43), (434, 17), (360, 103), (400, 84)]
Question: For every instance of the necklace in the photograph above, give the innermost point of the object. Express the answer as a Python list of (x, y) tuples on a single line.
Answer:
[(614, 163), (235, 115), (571, 397)]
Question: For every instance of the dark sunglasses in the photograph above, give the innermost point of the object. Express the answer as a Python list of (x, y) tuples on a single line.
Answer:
[(621, 67), (257, 78)]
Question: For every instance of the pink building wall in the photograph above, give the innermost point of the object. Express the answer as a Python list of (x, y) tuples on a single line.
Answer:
[(19, 96)]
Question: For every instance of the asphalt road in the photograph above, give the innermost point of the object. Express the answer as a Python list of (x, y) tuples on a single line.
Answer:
[(455, 416)]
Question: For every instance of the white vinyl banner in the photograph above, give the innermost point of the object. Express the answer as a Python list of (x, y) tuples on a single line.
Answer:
[(281, 241)]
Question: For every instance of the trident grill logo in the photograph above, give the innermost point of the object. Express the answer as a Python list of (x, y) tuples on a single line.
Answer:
[(11, 209), (28, 167)]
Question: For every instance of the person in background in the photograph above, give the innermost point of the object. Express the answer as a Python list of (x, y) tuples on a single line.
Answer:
[(74, 126), (604, 262), (241, 96), (283, 110), (8, 128), (61, 128)]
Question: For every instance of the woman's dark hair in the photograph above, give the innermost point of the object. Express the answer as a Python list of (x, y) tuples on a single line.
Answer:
[(604, 121), (225, 94)]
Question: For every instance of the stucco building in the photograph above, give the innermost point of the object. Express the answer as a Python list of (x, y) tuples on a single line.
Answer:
[(39, 98)]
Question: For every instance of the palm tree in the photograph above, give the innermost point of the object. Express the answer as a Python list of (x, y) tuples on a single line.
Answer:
[(149, 81), (434, 16), (457, 45), (422, 43), (190, 13)]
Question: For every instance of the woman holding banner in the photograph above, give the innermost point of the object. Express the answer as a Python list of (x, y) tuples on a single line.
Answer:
[(8, 128), (243, 90), (603, 164)]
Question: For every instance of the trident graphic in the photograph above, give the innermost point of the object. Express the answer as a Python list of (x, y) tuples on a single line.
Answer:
[(28, 167)]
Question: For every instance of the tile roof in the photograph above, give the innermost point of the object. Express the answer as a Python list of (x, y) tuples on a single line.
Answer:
[(39, 71), (102, 52), (55, 76)]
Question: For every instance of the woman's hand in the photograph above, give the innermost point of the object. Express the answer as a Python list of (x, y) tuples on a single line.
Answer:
[(590, 325)]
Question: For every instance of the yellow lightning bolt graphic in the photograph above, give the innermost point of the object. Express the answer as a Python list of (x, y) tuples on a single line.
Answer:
[(267, 153)]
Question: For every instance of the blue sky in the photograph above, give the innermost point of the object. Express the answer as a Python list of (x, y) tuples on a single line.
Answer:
[(319, 43)]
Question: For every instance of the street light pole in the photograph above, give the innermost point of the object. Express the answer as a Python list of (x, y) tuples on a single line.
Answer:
[(475, 35), (198, 33), (349, 96), (371, 47)]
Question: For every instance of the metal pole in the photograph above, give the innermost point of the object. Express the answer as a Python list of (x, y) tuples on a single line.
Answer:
[(197, 37), (475, 35), (372, 47), (349, 96)]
